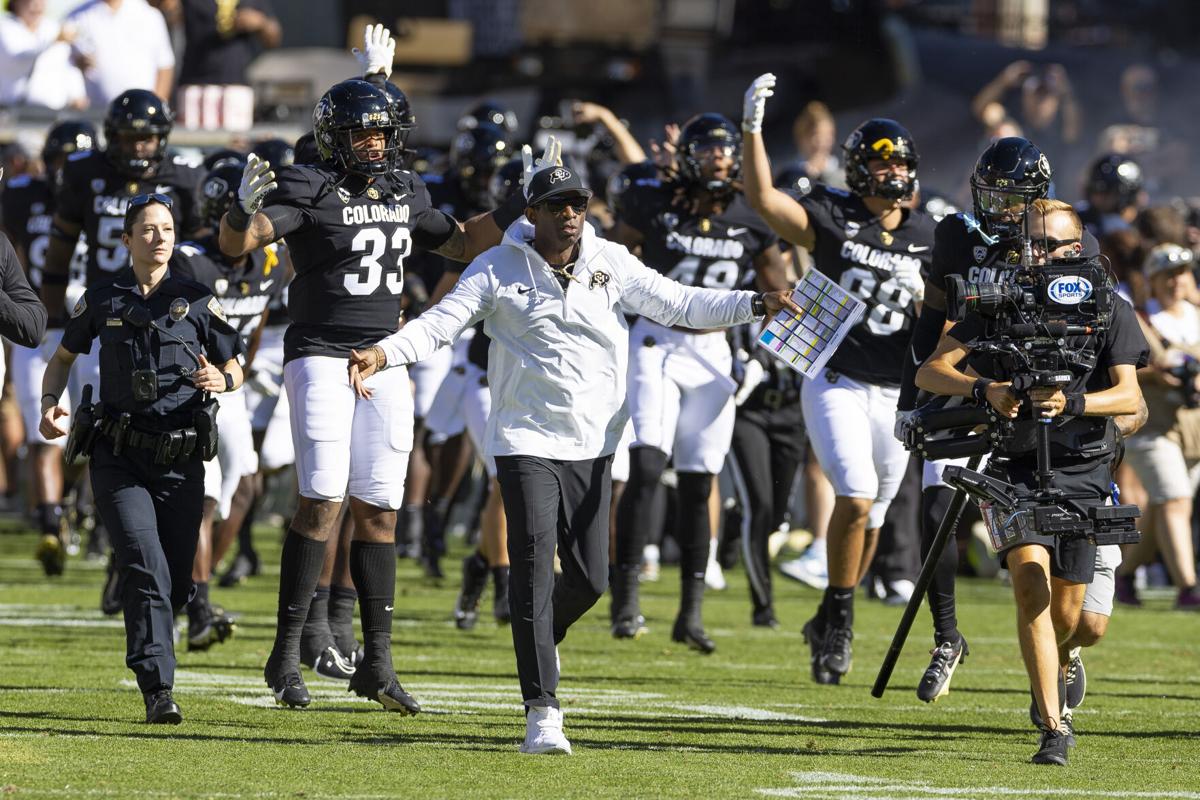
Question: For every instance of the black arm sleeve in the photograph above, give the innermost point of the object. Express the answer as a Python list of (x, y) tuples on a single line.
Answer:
[(22, 315), (509, 211), (432, 228)]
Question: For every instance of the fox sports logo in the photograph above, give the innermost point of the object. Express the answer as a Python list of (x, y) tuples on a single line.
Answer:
[(1069, 290)]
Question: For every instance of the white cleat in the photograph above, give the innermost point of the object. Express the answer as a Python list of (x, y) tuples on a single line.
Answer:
[(544, 733), (810, 569)]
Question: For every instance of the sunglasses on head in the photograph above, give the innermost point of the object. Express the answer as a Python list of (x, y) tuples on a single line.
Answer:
[(556, 206), (145, 199)]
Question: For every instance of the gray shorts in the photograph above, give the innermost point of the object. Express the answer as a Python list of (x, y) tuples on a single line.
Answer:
[(1099, 596)]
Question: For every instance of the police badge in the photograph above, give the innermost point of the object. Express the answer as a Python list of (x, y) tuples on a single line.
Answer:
[(179, 309), (980, 253), (599, 280)]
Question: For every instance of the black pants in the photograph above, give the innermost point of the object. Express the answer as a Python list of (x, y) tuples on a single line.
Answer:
[(152, 513), (552, 503), (768, 446)]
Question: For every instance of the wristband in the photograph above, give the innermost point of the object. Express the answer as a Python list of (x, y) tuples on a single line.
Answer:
[(228, 381), (1075, 404), (758, 306), (236, 217), (979, 390)]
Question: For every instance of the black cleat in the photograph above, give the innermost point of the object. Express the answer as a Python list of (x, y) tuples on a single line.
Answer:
[(330, 663), (764, 618), (630, 628), (161, 708), (1052, 749), (814, 637), (947, 656), (288, 686), (474, 581), (243, 567), (835, 651), (209, 627), (1076, 681), (52, 554), (386, 691), (693, 636), (110, 598)]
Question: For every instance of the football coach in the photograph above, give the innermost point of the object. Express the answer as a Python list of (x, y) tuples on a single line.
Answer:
[(553, 297)]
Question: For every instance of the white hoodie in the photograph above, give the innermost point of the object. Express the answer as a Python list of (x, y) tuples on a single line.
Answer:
[(557, 363)]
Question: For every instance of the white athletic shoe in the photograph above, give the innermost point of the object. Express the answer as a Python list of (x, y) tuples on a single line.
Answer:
[(650, 566), (810, 569), (544, 733), (714, 576)]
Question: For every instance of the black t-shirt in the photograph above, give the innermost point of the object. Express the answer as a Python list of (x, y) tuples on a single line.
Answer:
[(180, 307), (349, 241), (215, 52), (1121, 342), (852, 250), (245, 292), (94, 194)]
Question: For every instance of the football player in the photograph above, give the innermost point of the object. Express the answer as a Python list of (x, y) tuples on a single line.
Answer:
[(695, 228), (27, 207), (349, 224), (875, 248), (1115, 194)]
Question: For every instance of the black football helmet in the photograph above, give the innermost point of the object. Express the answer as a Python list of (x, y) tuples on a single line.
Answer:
[(218, 190), (506, 180), (354, 106), (885, 139), (1010, 174), (699, 133), (223, 155), (136, 112), (65, 138), (619, 183), (489, 112), (276, 152), (475, 155), (1117, 177), (305, 151)]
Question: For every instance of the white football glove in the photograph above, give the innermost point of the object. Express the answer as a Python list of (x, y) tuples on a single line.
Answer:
[(755, 103), (551, 157), (751, 378), (257, 181), (908, 275), (379, 51)]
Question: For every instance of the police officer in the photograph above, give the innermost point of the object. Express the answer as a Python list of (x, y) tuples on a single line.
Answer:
[(151, 430)]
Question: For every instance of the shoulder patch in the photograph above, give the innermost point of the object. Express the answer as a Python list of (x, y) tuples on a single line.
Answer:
[(80, 307), (214, 305)]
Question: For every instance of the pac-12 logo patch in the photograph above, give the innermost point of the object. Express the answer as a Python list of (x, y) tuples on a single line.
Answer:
[(980, 253), (1069, 290)]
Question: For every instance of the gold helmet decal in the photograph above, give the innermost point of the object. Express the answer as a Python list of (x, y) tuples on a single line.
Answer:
[(884, 148)]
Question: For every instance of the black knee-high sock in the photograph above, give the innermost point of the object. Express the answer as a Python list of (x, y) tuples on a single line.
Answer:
[(341, 618), (299, 571), (198, 605), (317, 624), (373, 567), (245, 538), (693, 531), (934, 502)]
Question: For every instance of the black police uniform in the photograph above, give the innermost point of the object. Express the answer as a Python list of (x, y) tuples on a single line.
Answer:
[(150, 501), (1121, 342)]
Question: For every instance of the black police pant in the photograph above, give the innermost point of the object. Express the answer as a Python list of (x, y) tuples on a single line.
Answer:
[(152, 513), (551, 503)]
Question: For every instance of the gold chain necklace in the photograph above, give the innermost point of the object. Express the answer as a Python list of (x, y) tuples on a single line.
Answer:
[(563, 273)]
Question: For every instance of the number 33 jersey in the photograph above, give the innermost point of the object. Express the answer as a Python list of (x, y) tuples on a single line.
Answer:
[(348, 240), (714, 252), (852, 249)]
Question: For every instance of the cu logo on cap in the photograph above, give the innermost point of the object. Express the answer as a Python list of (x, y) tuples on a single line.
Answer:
[(559, 175)]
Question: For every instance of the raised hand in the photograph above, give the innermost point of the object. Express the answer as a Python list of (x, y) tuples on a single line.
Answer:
[(551, 157), (257, 181), (754, 105), (378, 53)]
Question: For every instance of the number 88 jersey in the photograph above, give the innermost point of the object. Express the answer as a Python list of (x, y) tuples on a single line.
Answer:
[(852, 249), (714, 252), (348, 240)]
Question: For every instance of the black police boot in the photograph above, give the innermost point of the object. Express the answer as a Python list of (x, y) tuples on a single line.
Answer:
[(287, 685), (627, 621), (161, 708), (383, 687), (474, 581), (689, 629), (110, 598), (814, 637), (500, 609)]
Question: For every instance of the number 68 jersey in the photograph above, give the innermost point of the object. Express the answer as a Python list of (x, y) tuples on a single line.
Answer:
[(348, 240), (852, 249)]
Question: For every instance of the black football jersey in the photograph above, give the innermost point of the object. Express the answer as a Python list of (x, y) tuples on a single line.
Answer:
[(94, 194), (446, 195), (349, 241), (853, 250), (28, 208), (245, 292), (714, 252), (959, 248)]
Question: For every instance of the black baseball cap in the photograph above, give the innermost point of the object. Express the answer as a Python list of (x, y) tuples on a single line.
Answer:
[(555, 182)]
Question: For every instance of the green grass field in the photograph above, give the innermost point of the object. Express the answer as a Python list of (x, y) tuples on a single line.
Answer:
[(646, 718)]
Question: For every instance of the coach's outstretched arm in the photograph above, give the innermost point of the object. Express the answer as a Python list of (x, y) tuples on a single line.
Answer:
[(777, 208)]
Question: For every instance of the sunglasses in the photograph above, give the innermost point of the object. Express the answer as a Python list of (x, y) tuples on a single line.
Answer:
[(145, 199), (1047, 245), (578, 205)]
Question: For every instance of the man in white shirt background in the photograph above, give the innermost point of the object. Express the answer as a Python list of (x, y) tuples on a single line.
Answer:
[(553, 297), (104, 30), (35, 66)]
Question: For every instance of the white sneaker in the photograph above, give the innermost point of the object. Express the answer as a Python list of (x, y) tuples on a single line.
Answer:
[(544, 733), (650, 564), (810, 569), (714, 576)]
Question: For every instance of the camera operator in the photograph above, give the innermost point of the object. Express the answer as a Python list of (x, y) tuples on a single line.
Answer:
[(1049, 574), (1166, 454)]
